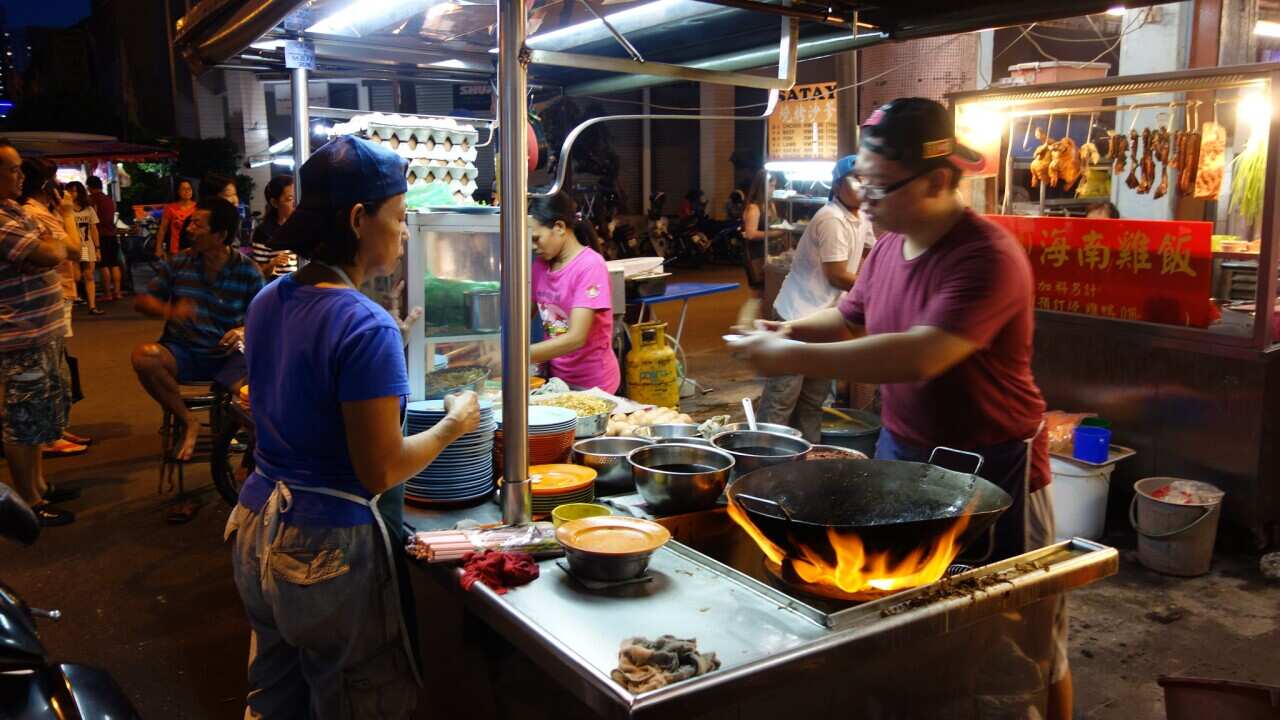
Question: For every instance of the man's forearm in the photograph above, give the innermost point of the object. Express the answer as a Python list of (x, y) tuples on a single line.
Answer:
[(876, 359), (823, 326), (151, 306)]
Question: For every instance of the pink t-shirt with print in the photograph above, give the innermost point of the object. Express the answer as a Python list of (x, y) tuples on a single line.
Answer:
[(582, 283)]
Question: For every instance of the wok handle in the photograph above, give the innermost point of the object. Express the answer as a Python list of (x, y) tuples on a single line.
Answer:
[(781, 508), (976, 466)]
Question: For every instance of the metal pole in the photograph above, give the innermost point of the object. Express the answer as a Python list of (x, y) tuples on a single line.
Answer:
[(646, 151), (516, 251), (301, 127)]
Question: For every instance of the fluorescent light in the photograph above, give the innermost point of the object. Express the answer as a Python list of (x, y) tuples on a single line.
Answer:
[(267, 45), (284, 145), (362, 17), (1255, 111), (287, 162), (1117, 11), (450, 63), (594, 23), (1267, 28), (803, 170)]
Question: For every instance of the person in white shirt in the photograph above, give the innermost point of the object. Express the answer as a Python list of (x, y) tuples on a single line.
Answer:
[(824, 267)]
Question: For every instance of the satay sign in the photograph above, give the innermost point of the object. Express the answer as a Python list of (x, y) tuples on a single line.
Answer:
[(1148, 270), (803, 127)]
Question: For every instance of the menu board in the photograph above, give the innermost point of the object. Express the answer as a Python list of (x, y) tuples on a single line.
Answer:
[(1150, 270), (803, 127)]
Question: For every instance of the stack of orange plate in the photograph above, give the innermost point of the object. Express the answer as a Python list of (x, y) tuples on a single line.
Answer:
[(558, 484), (551, 435)]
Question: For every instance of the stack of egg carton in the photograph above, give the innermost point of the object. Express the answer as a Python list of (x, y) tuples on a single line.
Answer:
[(439, 150)]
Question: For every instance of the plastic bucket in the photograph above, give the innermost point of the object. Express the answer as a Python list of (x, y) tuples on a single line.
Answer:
[(1091, 444), (1079, 498), (1188, 698), (1173, 538)]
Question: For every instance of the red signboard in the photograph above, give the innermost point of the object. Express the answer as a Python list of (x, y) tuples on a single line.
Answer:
[(1151, 270)]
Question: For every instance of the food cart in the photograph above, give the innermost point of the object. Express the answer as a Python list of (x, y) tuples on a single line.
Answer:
[(957, 650), (1177, 350)]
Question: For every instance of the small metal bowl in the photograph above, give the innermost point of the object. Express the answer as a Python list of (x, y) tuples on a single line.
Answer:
[(665, 431), (668, 489), (741, 444), (608, 457), (610, 568), (763, 427)]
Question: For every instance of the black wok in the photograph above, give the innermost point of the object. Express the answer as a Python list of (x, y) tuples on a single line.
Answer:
[(892, 505)]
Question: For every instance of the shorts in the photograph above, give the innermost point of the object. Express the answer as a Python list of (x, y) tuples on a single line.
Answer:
[(35, 384), (110, 251), (1040, 532), (197, 367)]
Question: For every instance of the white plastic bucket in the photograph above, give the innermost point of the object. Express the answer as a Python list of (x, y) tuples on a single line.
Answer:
[(1079, 498)]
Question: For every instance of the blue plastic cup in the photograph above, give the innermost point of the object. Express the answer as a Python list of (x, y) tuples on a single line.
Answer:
[(1091, 444)]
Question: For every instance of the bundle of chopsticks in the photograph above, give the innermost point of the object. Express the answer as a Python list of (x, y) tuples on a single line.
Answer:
[(438, 546)]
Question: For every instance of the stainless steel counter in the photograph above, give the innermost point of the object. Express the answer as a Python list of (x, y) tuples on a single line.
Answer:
[(774, 653)]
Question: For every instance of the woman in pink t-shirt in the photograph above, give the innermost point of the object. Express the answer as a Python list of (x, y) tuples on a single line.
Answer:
[(571, 290)]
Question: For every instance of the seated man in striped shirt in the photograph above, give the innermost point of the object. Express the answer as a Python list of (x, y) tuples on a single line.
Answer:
[(202, 294)]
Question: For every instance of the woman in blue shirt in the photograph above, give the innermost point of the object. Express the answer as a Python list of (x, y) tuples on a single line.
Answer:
[(317, 528)]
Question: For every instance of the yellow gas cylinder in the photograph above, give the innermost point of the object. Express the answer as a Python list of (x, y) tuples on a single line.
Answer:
[(652, 375)]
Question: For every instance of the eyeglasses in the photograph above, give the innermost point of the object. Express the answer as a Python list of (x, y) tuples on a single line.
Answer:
[(880, 192)]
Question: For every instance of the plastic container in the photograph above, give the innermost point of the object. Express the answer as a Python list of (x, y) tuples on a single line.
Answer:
[(1173, 538), (1091, 444), (1188, 698), (1079, 498)]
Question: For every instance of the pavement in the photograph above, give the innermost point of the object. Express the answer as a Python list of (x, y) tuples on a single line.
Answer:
[(155, 605)]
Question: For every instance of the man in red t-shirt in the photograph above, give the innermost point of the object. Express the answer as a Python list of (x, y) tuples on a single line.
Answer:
[(942, 317), (109, 258)]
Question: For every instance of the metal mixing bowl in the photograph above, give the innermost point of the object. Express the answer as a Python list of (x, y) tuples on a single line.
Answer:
[(608, 457), (666, 431), (783, 449), (763, 427), (671, 491), (607, 567)]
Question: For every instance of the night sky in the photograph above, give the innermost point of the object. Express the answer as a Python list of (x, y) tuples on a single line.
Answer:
[(49, 13)]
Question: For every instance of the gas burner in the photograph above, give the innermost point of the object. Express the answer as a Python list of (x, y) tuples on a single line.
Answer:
[(791, 581)]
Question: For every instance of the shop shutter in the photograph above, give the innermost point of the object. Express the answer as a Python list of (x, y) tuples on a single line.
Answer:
[(381, 96)]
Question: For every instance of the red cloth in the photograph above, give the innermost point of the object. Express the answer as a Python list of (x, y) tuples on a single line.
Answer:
[(975, 282), (498, 570)]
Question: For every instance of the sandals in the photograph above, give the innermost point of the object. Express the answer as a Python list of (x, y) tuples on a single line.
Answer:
[(63, 448), (77, 439), (181, 512), (97, 311)]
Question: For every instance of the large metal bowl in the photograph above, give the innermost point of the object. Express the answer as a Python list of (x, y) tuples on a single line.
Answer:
[(608, 457), (700, 441), (752, 450), (477, 385), (764, 427), (668, 488)]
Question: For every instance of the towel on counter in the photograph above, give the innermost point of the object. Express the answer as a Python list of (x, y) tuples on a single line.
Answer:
[(645, 664), (499, 570)]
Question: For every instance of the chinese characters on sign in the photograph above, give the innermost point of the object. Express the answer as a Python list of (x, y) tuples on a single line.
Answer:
[(1149, 270), (803, 127)]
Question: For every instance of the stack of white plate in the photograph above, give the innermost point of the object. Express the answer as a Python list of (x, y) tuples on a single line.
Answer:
[(463, 472)]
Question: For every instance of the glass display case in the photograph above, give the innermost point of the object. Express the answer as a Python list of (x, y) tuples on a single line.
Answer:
[(452, 268)]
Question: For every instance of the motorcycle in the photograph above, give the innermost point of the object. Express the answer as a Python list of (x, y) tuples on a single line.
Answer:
[(33, 687)]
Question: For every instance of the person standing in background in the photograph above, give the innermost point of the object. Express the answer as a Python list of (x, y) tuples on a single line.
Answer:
[(109, 243), (274, 263), (35, 386), (54, 211), (756, 235), (825, 266), (87, 228), (174, 219)]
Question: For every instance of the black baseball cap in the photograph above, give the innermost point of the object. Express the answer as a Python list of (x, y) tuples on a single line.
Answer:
[(345, 171), (918, 132)]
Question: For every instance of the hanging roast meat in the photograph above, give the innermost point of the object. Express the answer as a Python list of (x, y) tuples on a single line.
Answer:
[(1189, 161), (1064, 165), (1118, 146), (1212, 161), (1162, 143), (1147, 164), (1041, 160), (1132, 181)]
